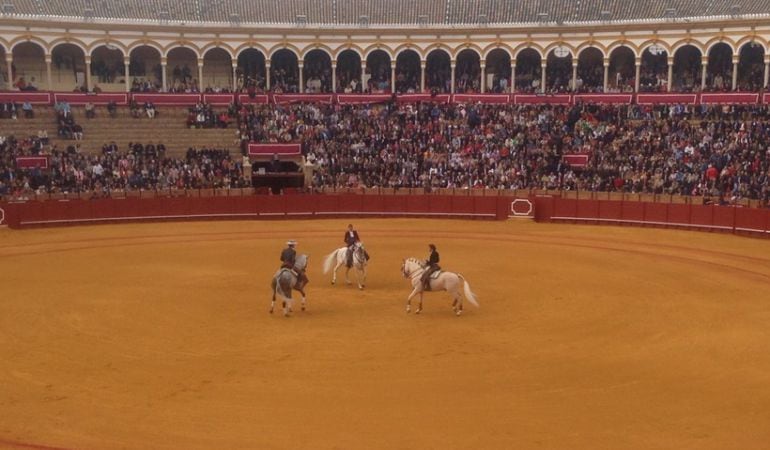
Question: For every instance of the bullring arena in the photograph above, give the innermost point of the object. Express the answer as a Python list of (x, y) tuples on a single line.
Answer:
[(598, 171)]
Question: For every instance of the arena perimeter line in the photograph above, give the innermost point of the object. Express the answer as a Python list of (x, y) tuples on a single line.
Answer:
[(374, 231), (16, 444), (471, 236)]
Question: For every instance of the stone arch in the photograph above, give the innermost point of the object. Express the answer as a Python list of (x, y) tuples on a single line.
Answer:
[(30, 65), (644, 46), (378, 69), (590, 69), (319, 47), (61, 41), (547, 51), (31, 39), (528, 46), (408, 70), (107, 43), (182, 44), (249, 46), (622, 68), (468, 70), (209, 47), (720, 66), (317, 71), (375, 47), (348, 70), (284, 69), (711, 43), (465, 47), (349, 47), (685, 42), (438, 46), (623, 44), (749, 39), (498, 70), (558, 69), (288, 47), (687, 73), (751, 66), (146, 43), (405, 48), (438, 70), (588, 45), (251, 70), (529, 69), (68, 66), (217, 72), (497, 46), (108, 68)]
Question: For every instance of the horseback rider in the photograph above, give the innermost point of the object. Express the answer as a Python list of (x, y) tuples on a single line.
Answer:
[(288, 259), (351, 238), (432, 266)]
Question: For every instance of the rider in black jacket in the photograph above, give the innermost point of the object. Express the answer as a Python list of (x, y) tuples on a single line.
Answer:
[(433, 266)]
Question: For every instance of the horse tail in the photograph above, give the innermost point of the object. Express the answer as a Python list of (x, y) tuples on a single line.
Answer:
[(467, 291), (329, 261)]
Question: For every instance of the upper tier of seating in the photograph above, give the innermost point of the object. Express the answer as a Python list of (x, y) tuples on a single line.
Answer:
[(390, 12)]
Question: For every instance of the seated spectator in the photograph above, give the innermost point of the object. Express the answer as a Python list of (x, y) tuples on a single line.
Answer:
[(27, 108), (112, 109), (90, 112), (149, 108)]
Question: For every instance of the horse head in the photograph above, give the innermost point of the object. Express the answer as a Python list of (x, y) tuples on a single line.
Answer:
[(408, 266)]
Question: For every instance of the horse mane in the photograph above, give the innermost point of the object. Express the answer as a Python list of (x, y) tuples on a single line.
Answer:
[(417, 261)]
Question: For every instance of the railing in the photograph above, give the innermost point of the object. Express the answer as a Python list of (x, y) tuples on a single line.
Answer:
[(224, 99)]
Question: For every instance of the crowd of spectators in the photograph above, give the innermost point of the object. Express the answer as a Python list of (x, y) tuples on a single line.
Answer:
[(719, 152), (141, 167), (679, 150)]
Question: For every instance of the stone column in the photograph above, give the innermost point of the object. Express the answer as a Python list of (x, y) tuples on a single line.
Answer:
[(543, 79), (637, 82), (452, 65), (393, 77), (127, 74), (200, 74), (48, 77), (767, 73), (363, 72), (235, 77), (9, 67), (670, 81), (704, 64), (606, 74), (267, 75), (301, 68), (483, 84), (334, 76), (89, 85), (512, 84), (423, 65), (164, 77), (574, 73), (736, 60)]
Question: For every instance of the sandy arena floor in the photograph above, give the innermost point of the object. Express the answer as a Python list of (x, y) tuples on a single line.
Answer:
[(157, 336)]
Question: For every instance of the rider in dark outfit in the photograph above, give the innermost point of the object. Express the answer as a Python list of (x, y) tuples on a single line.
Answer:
[(433, 266), (351, 237), (288, 258)]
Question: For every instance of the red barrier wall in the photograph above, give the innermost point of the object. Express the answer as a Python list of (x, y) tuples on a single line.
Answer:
[(222, 206), (731, 219)]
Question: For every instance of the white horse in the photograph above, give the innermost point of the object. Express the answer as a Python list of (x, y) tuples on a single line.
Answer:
[(285, 280), (339, 257), (413, 268)]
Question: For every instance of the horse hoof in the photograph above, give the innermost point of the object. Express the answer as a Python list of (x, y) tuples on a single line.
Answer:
[(271, 311), (459, 312), (418, 311), (303, 308)]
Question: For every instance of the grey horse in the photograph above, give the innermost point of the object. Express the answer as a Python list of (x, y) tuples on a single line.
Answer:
[(285, 280)]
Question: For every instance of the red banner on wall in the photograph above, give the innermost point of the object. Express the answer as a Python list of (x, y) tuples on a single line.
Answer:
[(32, 162), (579, 160), (246, 99), (218, 99), (359, 99), (537, 99), (168, 99), (499, 99), (80, 99), (282, 99), (665, 98), (35, 98), (732, 98), (605, 99), (268, 150)]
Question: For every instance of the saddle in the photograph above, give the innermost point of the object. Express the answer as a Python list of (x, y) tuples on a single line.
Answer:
[(435, 274)]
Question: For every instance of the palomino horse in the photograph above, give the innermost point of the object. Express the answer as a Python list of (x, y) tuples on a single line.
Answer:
[(285, 280), (339, 257), (413, 268)]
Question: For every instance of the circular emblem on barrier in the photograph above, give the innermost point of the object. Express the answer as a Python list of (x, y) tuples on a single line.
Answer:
[(2, 216), (521, 207)]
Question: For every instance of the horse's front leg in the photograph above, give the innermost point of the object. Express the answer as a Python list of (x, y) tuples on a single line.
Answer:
[(304, 300), (272, 303), (409, 299), (419, 308), (334, 273), (347, 275)]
